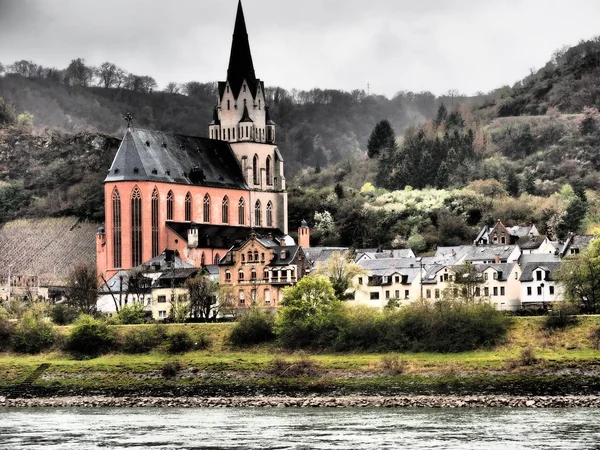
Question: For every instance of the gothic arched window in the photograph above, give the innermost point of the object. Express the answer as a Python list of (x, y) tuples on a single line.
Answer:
[(269, 171), (225, 210), (116, 230), (269, 214), (155, 232), (255, 172), (136, 227), (257, 214), (170, 205), (242, 211), (217, 259), (188, 207), (203, 259), (206, 209)]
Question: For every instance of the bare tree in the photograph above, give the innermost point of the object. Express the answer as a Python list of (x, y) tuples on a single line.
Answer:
[(25, 68), (82, 288), (108, 73), (78, 74), (173, 88), (203, 296)]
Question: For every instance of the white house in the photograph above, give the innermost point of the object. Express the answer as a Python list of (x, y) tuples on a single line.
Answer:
[(538, 284)]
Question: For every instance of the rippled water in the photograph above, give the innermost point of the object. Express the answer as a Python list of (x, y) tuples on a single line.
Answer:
[(82, 429)]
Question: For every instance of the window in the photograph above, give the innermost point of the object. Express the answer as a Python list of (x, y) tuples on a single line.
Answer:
[(162, 299), (256, 255), (437, 293), (551, 289), (516, 275), (267, 297), (217, 259), (268, 171), (162, 314), (502, 290), (253, 274), (387, 294), (538, 275), (360, 280), (257, 214), (243, 258), (203, 259), (244, 87), (477, 291), (529, 290), (495, 290), (242, 298), (269, 214), (259, 105), (265, 274), (227, 275), (240, 274), (228, 104), (255, 172), (155, 235), (374, 296), (225, 210), (250, 256), (170, 205), (136, 227), (245, 101), (485, 276), (406, 293), (206, 209), (262, 257), (241, 211), (503, 240), (116, 231), (188, 207), (540, 290), (486, 292), (495, 275), (428, 293)]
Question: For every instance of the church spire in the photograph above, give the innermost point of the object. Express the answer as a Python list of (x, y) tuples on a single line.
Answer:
[(240, 61)]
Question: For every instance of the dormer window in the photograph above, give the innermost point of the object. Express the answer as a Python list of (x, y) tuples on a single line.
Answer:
[(283, 254)]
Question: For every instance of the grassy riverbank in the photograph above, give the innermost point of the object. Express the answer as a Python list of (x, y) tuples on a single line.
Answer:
[(559, 362)]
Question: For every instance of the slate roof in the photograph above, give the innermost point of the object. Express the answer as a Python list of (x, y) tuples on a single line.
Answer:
[(488, 252), (579, 242), (219, 236), (389, 263), (178, 273), (538, 257), (504, 268), (146, 155), (530, 243), (529, 268), (47, 248), (320, 254)]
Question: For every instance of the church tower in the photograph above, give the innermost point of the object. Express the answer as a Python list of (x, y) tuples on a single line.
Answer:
[(241, 114), (241, 118)]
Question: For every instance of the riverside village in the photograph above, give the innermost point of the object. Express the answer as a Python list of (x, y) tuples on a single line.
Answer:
[(235, 244)]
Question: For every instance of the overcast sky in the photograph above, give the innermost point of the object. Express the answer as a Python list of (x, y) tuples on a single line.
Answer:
[(393, 45)]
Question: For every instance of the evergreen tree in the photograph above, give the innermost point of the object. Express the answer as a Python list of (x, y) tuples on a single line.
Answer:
[(440, 118), (529, 183), (339, 191), (382, 138), (512, 184)]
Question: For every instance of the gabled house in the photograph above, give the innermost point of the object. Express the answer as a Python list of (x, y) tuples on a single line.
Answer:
[(257, 270), (538, 284), (575, 244), (537, 245), (387, 279), (500, 234), (500, 285)]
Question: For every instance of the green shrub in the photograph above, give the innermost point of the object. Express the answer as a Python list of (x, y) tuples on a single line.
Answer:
[(132, 314), (32, 334), (253, 328), (90, 336), (562, 316), (143, 339), (310, 316), (179, 342), (63, 314), (171, 369)]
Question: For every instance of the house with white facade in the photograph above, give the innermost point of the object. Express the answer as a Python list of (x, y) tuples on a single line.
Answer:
[(538, 284)]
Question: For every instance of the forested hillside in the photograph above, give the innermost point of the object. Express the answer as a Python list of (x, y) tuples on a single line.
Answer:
[(364, 170)]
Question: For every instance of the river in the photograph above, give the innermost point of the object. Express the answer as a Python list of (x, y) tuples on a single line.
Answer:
[(278, 428)]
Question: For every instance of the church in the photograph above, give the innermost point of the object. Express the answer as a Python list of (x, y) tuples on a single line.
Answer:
[(197, 196)]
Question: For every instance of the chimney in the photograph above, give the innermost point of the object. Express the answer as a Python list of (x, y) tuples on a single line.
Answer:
[(497, 259), (304, 235)]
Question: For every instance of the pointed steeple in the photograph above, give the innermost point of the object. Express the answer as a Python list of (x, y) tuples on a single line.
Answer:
[(240, 61)]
